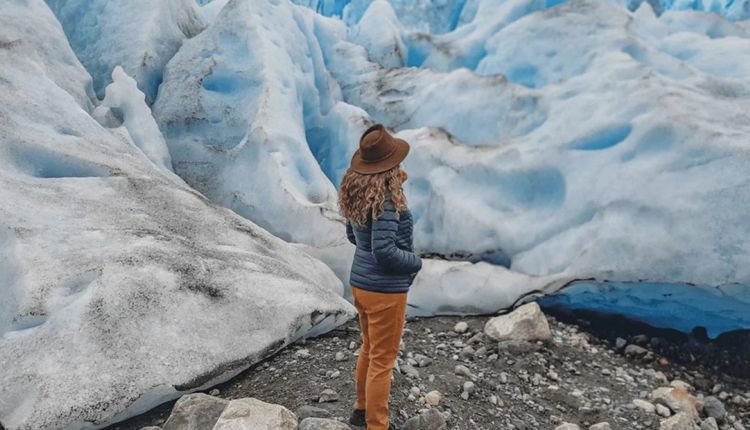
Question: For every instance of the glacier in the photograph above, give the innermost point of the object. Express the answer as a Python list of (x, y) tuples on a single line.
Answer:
[(589, 153), (563, 154), (122, 287)]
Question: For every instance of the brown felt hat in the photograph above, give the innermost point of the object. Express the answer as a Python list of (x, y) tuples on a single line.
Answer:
[(378, 151)]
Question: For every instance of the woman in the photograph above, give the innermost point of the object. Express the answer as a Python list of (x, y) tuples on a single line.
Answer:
[(372, 199)]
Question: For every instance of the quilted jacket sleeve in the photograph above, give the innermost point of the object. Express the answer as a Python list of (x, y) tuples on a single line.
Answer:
[(350, 233), (384, 248)]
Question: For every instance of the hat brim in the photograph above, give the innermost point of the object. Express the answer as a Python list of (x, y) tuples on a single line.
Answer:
[(393, 160)]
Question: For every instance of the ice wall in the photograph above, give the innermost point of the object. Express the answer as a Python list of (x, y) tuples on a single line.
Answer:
[(250, 113)]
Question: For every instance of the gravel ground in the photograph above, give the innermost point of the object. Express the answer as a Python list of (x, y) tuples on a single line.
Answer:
[(577, 378)]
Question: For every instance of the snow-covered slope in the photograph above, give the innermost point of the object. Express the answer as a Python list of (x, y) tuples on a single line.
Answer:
[(138, 35), (122, 287)]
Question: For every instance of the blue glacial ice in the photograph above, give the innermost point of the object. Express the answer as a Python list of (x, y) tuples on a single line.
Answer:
[(138, 35), (718, 309)]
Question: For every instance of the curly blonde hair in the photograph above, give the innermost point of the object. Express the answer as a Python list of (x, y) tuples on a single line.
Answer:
[(361, 197)]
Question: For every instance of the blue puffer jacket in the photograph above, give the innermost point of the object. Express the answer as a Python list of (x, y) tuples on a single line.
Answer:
[(384, 261)]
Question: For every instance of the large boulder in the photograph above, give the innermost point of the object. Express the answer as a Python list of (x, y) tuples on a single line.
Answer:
[(526, 323), (676, 399), (195, 412), (679, 421), (253, 414), (122, 287)]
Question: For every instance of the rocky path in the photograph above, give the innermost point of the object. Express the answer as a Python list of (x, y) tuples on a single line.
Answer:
[(450, 365)]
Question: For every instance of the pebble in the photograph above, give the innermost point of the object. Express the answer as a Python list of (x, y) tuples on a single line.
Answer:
[(709, 424), (601, 426), (433, 398), (620, 343), (663, 411), (341, 356), (410, 371), (644, 405), (214, 392), (302, 353), (328, 395), (430, 419), (422, 360), (462, 370), (714, 408), (635, 351), (461, 327)]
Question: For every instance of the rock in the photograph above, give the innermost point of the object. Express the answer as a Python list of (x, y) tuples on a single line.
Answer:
[(409, 370), (601, 426), (640, 339), (341, 356), (328, 395), (311, 412), (252, 414), (302, 353), (663, 411), (676, 399), (681, 421), (433, 398), (195, 412), (214, 392), (422, 360), (714, 408), (567, 426), (709, 424), (151, 428), (644, 405), (430, 419), (681, 384), (462, 370), (469, 387), (635, 351), (525, 323), (461, 327), (620, 343), (322, 424)]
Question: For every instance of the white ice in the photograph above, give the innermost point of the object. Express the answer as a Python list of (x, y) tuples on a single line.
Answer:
[(122, 287), (125, 102)]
